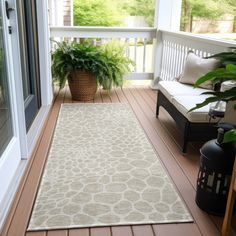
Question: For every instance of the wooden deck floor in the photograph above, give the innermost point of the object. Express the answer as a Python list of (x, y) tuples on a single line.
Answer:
[(165, 138)]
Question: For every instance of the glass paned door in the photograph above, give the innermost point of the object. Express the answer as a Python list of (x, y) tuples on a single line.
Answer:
[(29, 58), (6, 129)]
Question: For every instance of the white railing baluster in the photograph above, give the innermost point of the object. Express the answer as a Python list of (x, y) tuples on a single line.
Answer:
[(186, 51), (127, 48), (175, 58), (135, 54), (144, 55), (171, 71), (164, 60), (168, 60), (178, 67), (172, 57), (182, 60), (94, 42)]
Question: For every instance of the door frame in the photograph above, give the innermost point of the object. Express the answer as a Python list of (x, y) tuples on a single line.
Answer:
[(45, 73), (11, 157), (26, 141)]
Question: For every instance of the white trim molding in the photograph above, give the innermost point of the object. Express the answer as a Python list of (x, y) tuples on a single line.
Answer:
[(44, 52), (45, 75), (103, 32)]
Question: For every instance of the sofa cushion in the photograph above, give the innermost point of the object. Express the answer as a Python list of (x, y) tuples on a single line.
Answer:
[(185, 103), (195, 67), (174, 88)]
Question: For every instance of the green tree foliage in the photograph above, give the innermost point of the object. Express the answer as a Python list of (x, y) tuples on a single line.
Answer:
[(144, 8), (232, 10), (96, 13), (200, 8), (111, 13), (231, 6), (209, 9)]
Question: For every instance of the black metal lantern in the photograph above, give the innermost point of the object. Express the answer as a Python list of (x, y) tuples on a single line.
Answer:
[(216, 164)]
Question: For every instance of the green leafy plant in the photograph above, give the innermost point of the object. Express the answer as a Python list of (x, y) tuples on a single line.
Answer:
[(230, 136), (73, 56), (226, 73), (119, 64), (106, 62)]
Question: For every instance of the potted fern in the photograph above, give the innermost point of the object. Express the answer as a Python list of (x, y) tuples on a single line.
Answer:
[(226, 73), (81, 65), (119, 64), (85, 66)]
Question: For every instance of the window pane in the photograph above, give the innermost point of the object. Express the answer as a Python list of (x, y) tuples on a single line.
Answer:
[(5, 109)]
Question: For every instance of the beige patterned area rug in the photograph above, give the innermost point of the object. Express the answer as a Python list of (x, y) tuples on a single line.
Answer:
[(102, 170)]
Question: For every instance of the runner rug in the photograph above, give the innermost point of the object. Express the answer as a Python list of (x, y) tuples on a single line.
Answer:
[(102, 170)]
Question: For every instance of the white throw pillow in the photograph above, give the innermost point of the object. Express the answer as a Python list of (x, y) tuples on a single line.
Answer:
[(195, 67)]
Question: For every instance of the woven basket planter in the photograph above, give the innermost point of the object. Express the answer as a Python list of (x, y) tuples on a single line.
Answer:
[(83, 85)]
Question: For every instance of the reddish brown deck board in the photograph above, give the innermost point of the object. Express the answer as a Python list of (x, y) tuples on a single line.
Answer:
[(177, 230), (57, 233), (120, 95), (41, 233), (121, 231), (113, 96), (79, 232), (143, 230), (105, 96), (68, 98), (146, 95), (100, 231), (172, 128), (98, 97), (182, 170)]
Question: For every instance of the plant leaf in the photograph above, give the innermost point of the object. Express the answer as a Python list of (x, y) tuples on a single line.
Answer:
[(230, 136), (204, 103)]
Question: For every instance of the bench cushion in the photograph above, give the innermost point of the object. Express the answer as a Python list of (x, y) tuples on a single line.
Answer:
[(185, 103), (174, 88), (195, 67)]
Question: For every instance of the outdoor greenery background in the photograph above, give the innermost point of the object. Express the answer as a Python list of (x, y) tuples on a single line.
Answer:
[(210, 9), (112, 12)]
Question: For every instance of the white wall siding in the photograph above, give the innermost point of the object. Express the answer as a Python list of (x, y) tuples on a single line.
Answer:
[(67, 13)]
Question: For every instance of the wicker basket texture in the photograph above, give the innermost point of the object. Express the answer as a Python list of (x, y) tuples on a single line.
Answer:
[(83, 85)]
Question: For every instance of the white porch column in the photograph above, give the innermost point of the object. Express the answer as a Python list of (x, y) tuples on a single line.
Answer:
[(56, 12), (167, 17), (168, 13)]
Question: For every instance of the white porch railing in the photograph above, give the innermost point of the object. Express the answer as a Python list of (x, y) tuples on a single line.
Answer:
[(172, 49), (139, 40), (157, 54)]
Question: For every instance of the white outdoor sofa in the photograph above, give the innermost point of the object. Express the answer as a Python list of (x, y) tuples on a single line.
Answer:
[(177, 99)]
